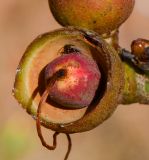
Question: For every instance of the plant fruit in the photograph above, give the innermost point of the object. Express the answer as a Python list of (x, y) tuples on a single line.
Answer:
[(30, 80), (77, 89), (101, 16)]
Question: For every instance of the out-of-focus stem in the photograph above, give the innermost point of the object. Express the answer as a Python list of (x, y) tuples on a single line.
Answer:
[(136, 84), (136, 88)]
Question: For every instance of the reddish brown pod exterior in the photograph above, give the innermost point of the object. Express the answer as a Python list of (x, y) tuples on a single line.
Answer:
[(102, 16)]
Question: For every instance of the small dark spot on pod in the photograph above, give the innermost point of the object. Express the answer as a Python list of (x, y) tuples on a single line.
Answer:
[(92, 38), (94, 22), (70, 48)]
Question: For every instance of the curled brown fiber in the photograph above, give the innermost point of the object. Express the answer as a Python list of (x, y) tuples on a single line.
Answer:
[(56, 76)]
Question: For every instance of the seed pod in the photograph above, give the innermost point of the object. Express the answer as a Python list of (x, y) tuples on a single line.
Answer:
[(101, 16), (30, 80)]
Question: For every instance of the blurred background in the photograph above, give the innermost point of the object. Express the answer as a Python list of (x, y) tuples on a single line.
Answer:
[(125, 136)]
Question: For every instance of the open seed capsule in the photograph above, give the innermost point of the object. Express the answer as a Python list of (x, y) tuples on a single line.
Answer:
[(30, 79)]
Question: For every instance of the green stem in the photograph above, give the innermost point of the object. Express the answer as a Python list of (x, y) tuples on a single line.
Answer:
[(136, 87)]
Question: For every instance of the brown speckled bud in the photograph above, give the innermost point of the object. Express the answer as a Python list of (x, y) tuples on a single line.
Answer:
[(101, 16)]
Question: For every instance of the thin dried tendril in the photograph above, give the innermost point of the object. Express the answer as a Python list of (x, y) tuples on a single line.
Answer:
[(69, 146), (56, 76)]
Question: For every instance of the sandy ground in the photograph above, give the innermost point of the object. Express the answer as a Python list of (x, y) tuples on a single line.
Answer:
[(122, 137)]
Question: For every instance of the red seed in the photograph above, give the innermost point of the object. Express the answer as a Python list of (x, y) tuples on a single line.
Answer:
[(77, 89)]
